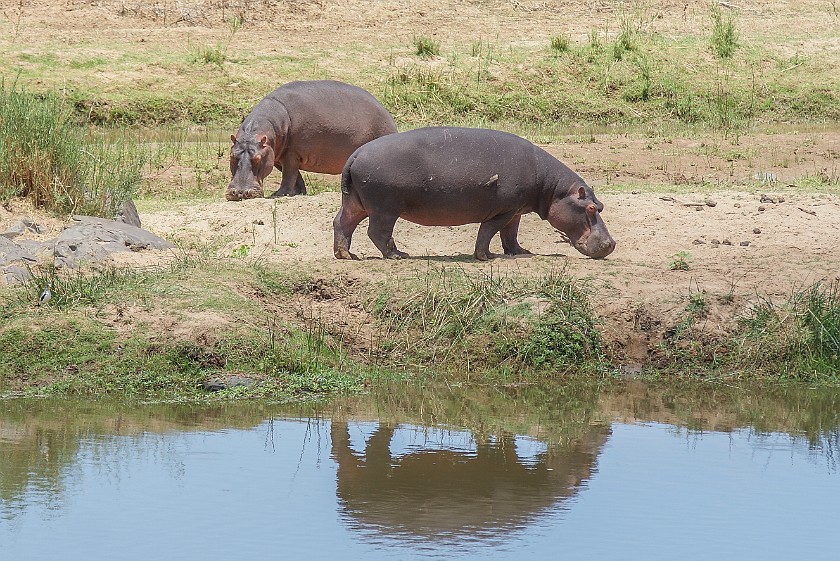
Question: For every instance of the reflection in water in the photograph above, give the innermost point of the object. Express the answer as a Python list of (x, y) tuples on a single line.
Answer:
[(424, 472), (449, 491)]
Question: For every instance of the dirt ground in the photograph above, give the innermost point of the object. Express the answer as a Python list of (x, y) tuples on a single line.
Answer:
[(743, 216)]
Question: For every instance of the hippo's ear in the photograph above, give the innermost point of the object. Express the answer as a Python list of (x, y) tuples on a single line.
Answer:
[(263, 140), (581, 193), (233, 138)]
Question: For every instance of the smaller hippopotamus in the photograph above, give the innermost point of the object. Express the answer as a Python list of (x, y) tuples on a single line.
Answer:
[(447, 176), (311, 126)]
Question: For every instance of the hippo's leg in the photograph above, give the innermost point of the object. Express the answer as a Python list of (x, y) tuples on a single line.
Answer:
[(381, 233), (486, 232), (509, 234), (292, 182), (344, 224)]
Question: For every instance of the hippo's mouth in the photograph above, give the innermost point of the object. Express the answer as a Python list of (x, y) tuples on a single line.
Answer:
[(583, 244), (241, 195)]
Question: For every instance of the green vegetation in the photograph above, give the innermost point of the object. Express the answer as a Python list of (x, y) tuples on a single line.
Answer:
[(59, 166), (426, 47), (626, 73), (680, 261), (724, 40), (440, 324)]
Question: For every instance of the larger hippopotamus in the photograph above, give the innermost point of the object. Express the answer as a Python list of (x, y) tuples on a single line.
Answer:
[(447, 176), (310, 126)]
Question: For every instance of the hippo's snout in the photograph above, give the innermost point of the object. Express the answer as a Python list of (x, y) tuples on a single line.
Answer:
[(597, 250), (238, 193)]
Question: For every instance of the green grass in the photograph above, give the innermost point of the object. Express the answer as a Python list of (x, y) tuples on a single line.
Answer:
[(46, 158)]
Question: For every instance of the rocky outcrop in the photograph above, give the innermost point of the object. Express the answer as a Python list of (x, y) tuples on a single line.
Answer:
[(85, 240)]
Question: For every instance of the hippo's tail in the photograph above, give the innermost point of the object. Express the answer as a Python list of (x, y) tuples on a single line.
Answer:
[(346, 180)]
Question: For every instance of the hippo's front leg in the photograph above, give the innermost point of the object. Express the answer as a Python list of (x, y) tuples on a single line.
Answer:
[(509, 234), (292, 182)]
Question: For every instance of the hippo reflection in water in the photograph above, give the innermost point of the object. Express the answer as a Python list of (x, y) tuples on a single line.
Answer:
[(444, 493)]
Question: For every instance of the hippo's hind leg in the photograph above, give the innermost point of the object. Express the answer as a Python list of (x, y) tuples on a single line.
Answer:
[(344, 224), (292, 182), (509, 234), (486, 232), (381, 233)]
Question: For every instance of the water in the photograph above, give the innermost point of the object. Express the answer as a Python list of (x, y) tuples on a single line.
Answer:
[(529, 473)]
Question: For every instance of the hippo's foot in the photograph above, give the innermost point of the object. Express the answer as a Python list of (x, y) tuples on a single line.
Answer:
[(485, 255), (518, 251), (342, 253), (286, 193), (396, 254)]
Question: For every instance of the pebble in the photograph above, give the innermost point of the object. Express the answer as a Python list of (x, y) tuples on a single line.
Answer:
[(710, 202), (756, 230), (761, 209), (745, 244), (698, 242), (715, 242), (726, 242)]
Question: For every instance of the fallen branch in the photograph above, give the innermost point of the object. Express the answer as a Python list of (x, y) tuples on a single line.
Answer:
[(806, 211)]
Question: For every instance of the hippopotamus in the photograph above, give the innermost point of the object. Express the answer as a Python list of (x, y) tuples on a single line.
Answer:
[(309, 125), (449, 176)]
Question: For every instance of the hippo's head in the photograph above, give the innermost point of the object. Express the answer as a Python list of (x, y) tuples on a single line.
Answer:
[(251, 160), (576, 212)]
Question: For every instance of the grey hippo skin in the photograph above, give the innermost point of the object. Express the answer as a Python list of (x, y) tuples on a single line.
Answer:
[(446, 176), (310, 126)]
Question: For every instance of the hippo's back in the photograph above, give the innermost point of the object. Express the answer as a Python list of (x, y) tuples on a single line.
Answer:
[(334, 108)]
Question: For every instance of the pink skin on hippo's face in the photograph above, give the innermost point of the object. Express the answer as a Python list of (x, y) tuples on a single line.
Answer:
[(577, 213), (251, 160)]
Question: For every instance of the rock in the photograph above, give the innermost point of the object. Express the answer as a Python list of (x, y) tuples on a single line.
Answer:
[(715, 242), (767, 199), (726, 242), (698, 242), (95, 239), (761, 209), (756, 230), (14, 274), (22, 226), (11, 252), (744, 244), (128, 214), (711, 203), (737, 205), (225, 382)]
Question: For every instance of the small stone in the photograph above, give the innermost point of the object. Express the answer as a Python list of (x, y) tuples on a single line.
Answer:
[(635, 192), (259, 222), (698, 242), (698, 208), (710, 202), (761, 209), (744, 244), (781, 199), (715, 242), (756, 230), (737, 205), (726, 242)]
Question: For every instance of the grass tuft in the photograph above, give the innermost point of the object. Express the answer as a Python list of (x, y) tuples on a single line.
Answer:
[(58, 166), (425, 47)]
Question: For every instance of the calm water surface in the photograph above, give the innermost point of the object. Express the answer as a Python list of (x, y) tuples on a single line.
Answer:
[(631, 473)]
